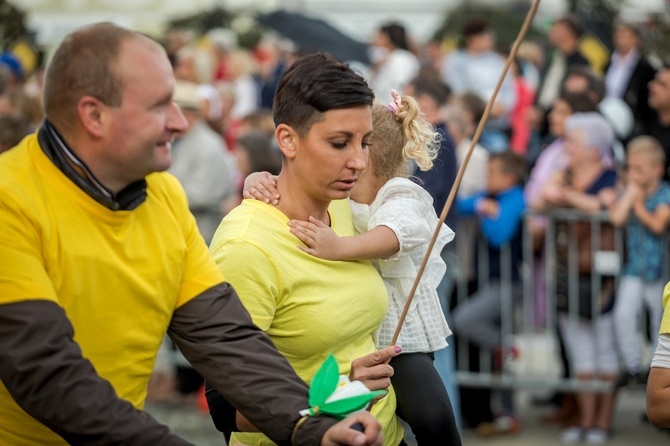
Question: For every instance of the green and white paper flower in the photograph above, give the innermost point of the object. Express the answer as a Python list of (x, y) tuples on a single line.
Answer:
[(334, 395)]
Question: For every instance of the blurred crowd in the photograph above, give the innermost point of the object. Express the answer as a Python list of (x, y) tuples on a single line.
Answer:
[(565, 131)]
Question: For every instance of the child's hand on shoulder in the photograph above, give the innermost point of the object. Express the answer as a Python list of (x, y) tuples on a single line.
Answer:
[(319, 239), (261, 186)]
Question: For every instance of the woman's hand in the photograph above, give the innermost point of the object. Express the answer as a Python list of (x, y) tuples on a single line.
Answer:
[(261, 186), (373, 370), (321, 240)]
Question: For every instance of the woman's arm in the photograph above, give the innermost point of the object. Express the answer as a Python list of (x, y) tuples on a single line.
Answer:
[(321, 241), (551, 194), (581, 200)]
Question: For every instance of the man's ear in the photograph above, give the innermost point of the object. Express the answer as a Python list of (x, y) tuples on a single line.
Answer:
[(91, 114), (287, 139)]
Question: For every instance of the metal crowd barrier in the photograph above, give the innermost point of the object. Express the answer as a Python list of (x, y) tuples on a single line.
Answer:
[(531, 323)]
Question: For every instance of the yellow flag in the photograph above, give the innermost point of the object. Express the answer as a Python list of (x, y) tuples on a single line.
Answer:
[(27, 54), (595, 52)]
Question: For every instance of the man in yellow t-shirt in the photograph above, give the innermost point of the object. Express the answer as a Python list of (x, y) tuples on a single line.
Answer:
[(658, 385), (99, 257)]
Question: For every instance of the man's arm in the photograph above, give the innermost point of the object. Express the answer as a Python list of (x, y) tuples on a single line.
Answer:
[(44, 370), (216, 334)]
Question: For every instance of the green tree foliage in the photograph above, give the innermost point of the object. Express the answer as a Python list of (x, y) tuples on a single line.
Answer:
[(12, 23), (506, 21), (217, 17), (657, 34)]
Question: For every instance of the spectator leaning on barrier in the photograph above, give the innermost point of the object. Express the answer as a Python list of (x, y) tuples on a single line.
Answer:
[(478, 319), (590, 346), (644, 207)]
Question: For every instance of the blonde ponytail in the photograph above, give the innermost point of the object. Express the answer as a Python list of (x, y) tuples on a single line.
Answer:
[(400, 137)]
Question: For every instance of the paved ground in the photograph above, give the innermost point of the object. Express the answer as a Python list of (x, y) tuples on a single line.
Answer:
[(197, 427), (538, 358)]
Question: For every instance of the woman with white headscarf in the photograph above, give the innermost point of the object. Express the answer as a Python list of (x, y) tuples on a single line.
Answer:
[(589, 338)]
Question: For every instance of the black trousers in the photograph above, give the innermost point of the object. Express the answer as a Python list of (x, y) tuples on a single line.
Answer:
[(423, 401)]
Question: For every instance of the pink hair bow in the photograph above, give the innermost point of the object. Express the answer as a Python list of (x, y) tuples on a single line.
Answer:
[(396, 103)]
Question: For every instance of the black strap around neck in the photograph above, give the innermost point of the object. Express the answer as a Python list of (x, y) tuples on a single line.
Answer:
[(58, 152)]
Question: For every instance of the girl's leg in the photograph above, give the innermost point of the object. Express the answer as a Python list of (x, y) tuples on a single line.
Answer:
[(607, 368), (653, 297), (586, 402), (445, 364), (605, 410), (423, 401), (626, 315), (478, 318)]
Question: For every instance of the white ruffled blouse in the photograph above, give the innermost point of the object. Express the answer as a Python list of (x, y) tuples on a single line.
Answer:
[(407, 209)]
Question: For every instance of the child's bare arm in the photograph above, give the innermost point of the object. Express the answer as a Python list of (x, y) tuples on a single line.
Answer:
[(321, 241), (657, 221), (261, 186), (620, 209)]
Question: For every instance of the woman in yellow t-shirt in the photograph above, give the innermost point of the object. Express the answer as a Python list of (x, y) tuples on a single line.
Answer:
[(311, 307)]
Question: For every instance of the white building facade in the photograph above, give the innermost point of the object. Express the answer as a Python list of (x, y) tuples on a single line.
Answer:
[(53, 19)]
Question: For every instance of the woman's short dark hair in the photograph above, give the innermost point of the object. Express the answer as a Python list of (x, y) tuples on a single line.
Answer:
[(571, 22), (313, 85), (476, 26), (511, 164), (396, 34), (579, 102), (431, 86), (262, 156)]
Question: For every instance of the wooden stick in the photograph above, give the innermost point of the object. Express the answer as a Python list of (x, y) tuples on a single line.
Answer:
[(459, 176)]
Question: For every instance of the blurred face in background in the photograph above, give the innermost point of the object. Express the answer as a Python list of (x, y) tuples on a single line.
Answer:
[(643, 169), (498, 180), (577, 150), (481, 42), (659, 90), (429, 108), (242, 157), (559, 113), (380, 47), (625, 39), (562, 38)]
